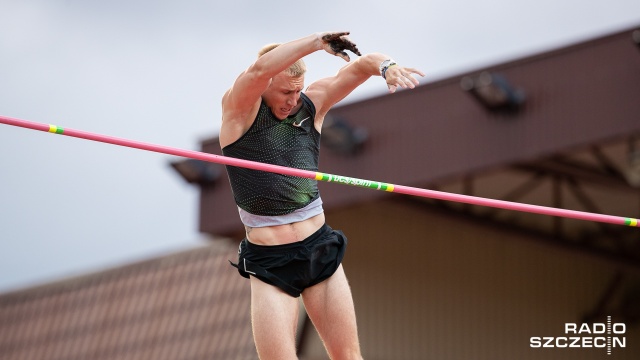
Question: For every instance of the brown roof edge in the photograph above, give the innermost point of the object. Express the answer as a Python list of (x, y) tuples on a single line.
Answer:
[(221, 246)]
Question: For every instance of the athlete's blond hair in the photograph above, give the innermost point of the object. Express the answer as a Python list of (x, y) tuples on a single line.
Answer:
[(296, 69)]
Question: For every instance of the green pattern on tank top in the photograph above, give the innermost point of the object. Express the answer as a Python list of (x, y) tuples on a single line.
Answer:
[(292, 142)]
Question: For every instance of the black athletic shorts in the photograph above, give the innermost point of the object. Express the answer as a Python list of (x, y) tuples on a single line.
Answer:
[(296, 266)]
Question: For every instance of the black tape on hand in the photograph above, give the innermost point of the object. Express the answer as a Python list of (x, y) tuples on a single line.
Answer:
[(339, 44)]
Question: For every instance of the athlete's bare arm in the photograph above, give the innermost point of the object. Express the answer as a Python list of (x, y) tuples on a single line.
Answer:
[(328, 91), (241, 102)]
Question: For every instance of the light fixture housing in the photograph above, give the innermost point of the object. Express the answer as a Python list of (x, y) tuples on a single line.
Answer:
[(493, 91), (341, 137), (197, 172)]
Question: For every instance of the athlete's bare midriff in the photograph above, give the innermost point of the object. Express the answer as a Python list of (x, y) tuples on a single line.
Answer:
[(285, 234)]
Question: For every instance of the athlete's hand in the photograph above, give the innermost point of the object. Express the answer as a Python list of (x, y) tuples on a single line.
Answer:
[(401, 76), (335, 43)]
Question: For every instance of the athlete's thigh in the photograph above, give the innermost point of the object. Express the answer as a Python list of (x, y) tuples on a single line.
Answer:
[(274, 317), (330, 308)]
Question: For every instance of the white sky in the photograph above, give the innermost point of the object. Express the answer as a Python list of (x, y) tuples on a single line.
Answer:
[(155, 71)]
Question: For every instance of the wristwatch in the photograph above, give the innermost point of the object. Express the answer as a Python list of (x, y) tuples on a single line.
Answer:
[(386, 65)]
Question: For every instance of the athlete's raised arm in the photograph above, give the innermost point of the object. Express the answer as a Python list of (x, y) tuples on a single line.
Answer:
[(328, 91), (241, 102)]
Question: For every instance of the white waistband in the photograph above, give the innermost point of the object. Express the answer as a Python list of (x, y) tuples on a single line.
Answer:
[(307, 212)]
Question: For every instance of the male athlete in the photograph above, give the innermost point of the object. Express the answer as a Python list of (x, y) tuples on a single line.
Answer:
[(289, 250)]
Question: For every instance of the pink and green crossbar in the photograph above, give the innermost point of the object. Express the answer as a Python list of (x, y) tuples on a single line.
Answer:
[(376, 185)]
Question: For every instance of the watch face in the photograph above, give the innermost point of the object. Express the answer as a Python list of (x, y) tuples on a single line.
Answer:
[(384, 64)]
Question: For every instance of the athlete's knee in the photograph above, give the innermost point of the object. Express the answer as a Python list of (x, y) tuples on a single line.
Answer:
[(343, 347), (345, 353)]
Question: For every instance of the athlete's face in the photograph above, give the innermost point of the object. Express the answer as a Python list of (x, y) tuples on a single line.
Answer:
[(283, 94)]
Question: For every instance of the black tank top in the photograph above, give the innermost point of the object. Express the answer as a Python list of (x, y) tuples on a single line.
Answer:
[(292, 142)]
